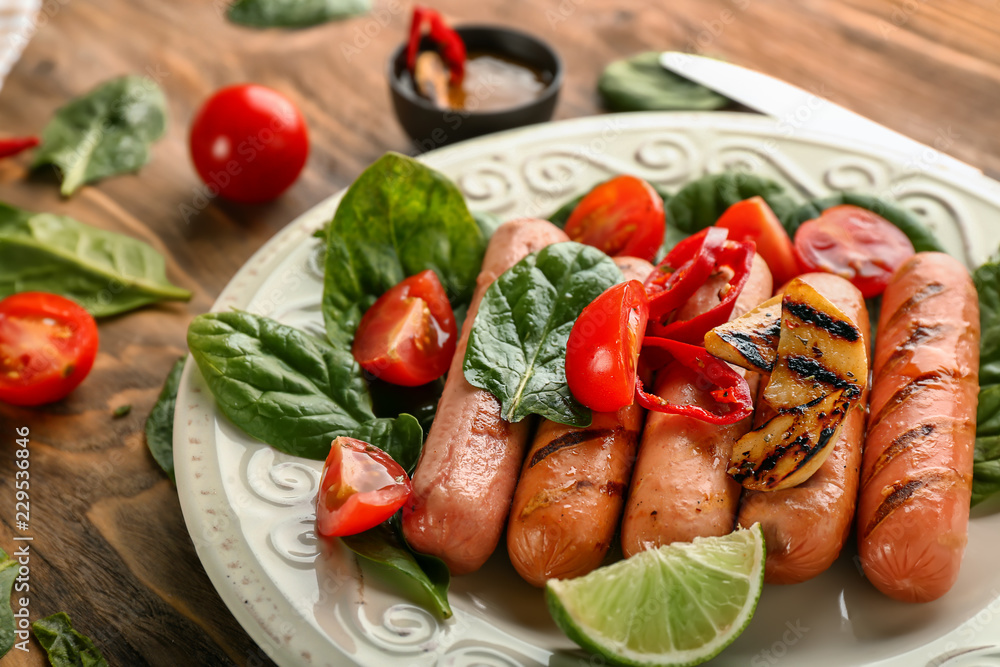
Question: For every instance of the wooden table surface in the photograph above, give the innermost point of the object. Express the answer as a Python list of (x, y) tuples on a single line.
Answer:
[(110, 546)]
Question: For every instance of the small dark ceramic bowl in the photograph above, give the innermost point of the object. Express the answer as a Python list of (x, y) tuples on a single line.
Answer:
[(431, 127)]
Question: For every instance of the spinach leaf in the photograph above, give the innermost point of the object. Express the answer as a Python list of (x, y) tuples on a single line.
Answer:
[(107, 273), (986, 466), (561, 216), (399, 218), (290, 390), (700, 203), (382, 545), (640, 83), (9, 569), (488, 222), (921, 237), (517, 346), (160, 423), (65, 646), (108, 131), (293, 13), (392, 400)]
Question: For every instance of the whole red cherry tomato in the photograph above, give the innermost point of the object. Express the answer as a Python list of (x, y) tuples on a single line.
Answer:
[(854, 243), (753, 220), (47, 347), (623, 216), (249, 143), (361, 486), (603, 347), (408, 336)]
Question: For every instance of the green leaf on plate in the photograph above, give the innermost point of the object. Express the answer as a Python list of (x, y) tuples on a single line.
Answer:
[(291, 390), (488, 222), (986, 469), (921, 237), (107, 273), (65, 646), (381, 545), (160, 423), (293, 13), (9, 569), (398, 218), (640, 83), (108, 131), (700, 203), (517, 346)]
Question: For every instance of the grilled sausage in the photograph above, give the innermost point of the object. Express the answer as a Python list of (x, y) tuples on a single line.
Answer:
[(572, 488), (680, 489), (464, 481), (913, 512), (805, 526)]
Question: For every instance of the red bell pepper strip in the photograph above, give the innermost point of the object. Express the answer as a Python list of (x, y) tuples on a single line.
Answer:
[(731, 387), (682, 272), (14, 145), (738, 257), (450, 44)]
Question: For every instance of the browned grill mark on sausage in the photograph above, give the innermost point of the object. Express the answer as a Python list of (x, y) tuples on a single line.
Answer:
[(547, 497), (925, 292), (806, 313), (574, 438), (898, 446), (901, 494), (919, 383), (920, 335)]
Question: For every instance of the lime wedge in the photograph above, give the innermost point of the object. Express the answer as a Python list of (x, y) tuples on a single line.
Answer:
[(677, 605)]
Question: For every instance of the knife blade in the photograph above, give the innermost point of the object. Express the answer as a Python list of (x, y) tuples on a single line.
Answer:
[(797, 109)]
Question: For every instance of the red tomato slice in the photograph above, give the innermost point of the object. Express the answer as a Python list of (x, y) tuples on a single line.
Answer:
[(47, 347), (361, 487), (603, 347), (753, 220), (622, 217), (408, 336), (854, 243)]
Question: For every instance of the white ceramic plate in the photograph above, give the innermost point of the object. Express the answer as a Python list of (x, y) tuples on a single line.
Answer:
[(249, 508)]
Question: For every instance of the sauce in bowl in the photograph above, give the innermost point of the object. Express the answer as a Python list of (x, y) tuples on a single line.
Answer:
[(492, 82)]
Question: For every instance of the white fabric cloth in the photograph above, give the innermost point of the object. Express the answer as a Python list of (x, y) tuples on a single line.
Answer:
[(18, 22)]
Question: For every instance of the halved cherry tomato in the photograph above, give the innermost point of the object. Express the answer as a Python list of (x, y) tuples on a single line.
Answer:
[(603, 347), (408, 336), (854, 243), (622, 217), (361, 486), (47, 346), (753, 220)]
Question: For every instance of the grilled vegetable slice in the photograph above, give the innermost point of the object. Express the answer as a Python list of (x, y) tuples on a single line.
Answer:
[(820, 350), (749, 341), (791, 446)]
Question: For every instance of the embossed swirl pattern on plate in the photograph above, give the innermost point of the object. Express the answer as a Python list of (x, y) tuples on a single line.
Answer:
[(979, 656), (404, 629), (281, 482)]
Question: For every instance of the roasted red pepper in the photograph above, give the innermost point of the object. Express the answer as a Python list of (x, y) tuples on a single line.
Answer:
[(684, 270), (731, 388), (14, 145), (451, 46)]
